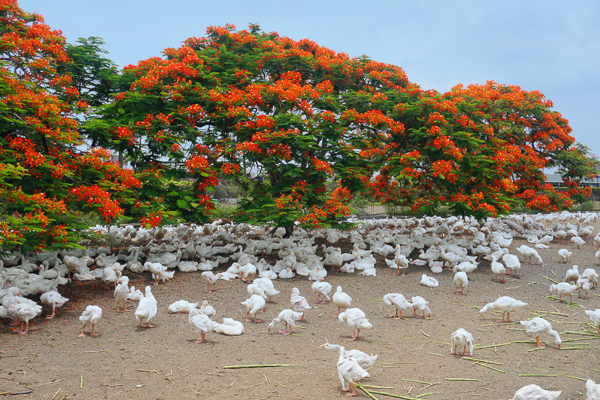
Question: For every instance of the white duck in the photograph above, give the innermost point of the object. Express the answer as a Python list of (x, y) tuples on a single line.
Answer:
[(512, 263), (539, 325), (146, 309), (155, 269), (565, 254), (226, 276), (201, 322), (437, 267), (583, 284), (24, 312), (532, 391), (83, 276), (527, 252), (230, 327), (321, 288), (461, 338), (578, 241), (398, 301), (591, 275), (429, 281), (182, 307), (349, 268), (349, 370), (505, 304), (54, 299), (187, 266), (421, 304), (369, 272), (267, 273), (289, 317), (248, 272), (563, 289), (461, 280), (255, 289), (91, 315), (498, 269), (400, 260), (46, 272), (267, 286), (466, 266), (210, 280), (592, 389), (572, 274), (207, 309), (253, 305), (136, 266), (357, 320), (341, 300), (73, 264), (135, 294), (286, 274), (121, 293), (362, 358), (299, 303), (111, 275), (316, 271)]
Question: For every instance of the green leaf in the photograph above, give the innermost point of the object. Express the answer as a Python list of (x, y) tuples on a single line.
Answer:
[(183, 204)]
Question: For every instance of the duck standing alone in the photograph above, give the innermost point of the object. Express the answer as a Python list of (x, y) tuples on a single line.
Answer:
[(91, 315), (146, 309)]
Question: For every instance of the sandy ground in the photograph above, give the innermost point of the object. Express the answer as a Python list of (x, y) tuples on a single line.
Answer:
[(128, 362)]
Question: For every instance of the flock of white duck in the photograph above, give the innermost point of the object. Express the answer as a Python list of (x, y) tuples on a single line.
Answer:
[(458, 244)]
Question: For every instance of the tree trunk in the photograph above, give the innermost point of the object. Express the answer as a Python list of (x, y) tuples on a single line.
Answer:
[(289, 229)]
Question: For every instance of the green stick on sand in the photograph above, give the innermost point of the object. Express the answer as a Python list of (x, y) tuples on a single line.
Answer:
[(483, 361), (257, 366), (462, 379)]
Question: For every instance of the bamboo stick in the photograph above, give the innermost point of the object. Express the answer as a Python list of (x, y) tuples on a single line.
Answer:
[(462, 379), (368, 393), (487, 366), (494, 345), (574, 377), (580, 333), (257, 366), (550, 279), (391, 395), (411, 380), (484, 361), (378, 387)]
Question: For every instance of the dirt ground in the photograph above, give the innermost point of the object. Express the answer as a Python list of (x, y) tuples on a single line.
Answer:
[(128, 362)]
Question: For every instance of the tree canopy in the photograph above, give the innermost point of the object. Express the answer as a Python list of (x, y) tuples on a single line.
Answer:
[(298, 115)]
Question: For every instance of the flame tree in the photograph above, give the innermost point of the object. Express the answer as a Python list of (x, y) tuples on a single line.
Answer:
[(294, 113), (479, 150), (44, 178)]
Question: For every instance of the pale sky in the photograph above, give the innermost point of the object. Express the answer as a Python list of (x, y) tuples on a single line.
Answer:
[(546, 45)]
